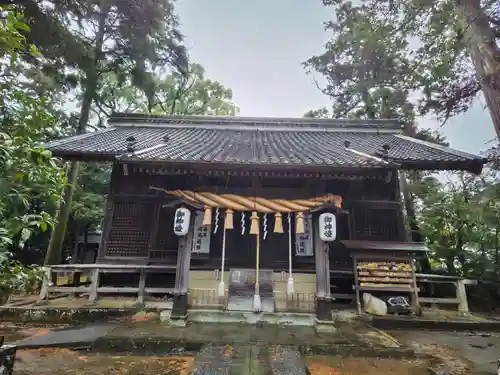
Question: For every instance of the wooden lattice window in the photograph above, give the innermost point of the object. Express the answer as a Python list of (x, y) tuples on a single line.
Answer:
[(376, 224), (130, 229)]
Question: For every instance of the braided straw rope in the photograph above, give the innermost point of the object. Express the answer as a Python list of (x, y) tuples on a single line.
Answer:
[(239, 203)]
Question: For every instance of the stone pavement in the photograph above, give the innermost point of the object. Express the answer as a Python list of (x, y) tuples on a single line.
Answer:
[(73, 337), (458, 351), (221, 349), (248, 359)]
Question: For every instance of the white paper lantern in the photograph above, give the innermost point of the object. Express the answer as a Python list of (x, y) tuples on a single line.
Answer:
[(327, 227), (181, 221)]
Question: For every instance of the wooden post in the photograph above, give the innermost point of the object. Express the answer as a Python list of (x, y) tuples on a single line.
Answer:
[(186, 264), (142, 286), (94, 284), (356, 283), (322, 300), (44, 292), (415, 302), (319, 258), (179, 309), (179, 268), (463, 306), (326, 264)]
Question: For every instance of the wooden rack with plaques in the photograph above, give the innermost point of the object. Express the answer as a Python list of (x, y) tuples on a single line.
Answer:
[(379, 273)]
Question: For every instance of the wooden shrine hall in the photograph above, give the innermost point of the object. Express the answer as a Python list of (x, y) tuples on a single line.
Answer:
[(257, 213)]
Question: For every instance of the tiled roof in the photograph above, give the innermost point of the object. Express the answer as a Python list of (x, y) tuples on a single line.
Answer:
[(261, 141)]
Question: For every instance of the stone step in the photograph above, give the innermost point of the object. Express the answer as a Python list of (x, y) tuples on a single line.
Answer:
[(213, 360), (286, 360), (250, 359)]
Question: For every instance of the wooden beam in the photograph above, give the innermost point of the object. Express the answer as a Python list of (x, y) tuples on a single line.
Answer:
[(447, 301)]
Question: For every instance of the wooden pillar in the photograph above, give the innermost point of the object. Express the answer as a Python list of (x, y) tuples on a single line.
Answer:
[(142, 287), (44, 292), (463, 306), (326, 265), (94, 284), (179, 309), (322, 292)]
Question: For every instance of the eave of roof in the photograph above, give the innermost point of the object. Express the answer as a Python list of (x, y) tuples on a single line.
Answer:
[(262, 142)]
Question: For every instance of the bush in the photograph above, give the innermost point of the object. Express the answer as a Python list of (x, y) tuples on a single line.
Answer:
[(17, 278)]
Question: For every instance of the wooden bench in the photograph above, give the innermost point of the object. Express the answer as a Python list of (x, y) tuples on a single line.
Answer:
[(94, 289), (460, 298)]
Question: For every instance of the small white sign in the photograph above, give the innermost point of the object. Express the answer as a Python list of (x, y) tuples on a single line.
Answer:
[(201, 238)]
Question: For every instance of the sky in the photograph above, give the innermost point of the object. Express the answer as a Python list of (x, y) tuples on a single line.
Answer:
[(256, 47)]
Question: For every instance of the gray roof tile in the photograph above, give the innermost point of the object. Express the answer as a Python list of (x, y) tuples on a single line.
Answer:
[(299, 142)]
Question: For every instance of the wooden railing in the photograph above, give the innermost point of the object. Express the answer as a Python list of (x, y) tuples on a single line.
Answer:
[(94, 289)]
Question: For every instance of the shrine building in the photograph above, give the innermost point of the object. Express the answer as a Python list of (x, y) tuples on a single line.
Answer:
[(259, 214)]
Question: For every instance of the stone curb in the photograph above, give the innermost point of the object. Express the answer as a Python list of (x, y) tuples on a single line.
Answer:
[(144, 344), (65, 315), (436, 325)]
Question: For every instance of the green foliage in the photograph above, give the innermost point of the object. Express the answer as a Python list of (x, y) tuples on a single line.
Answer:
[(407, 53), (460, 219), (30, 180), (403, 59), (17, 278), (187, 93)]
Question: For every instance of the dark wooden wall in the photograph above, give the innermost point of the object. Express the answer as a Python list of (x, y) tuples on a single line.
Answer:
[(138, 228)]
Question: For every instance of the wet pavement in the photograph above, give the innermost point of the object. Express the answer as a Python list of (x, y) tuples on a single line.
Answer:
[(244, 360), (69, 337), (149, 347), (65, 362), (322, 365), (233, 362), (459, 351)]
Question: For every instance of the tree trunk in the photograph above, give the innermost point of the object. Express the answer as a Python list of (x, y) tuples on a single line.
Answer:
[(59, 231), (484, 52), (497, 252), (415, 232), (450, 265)]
